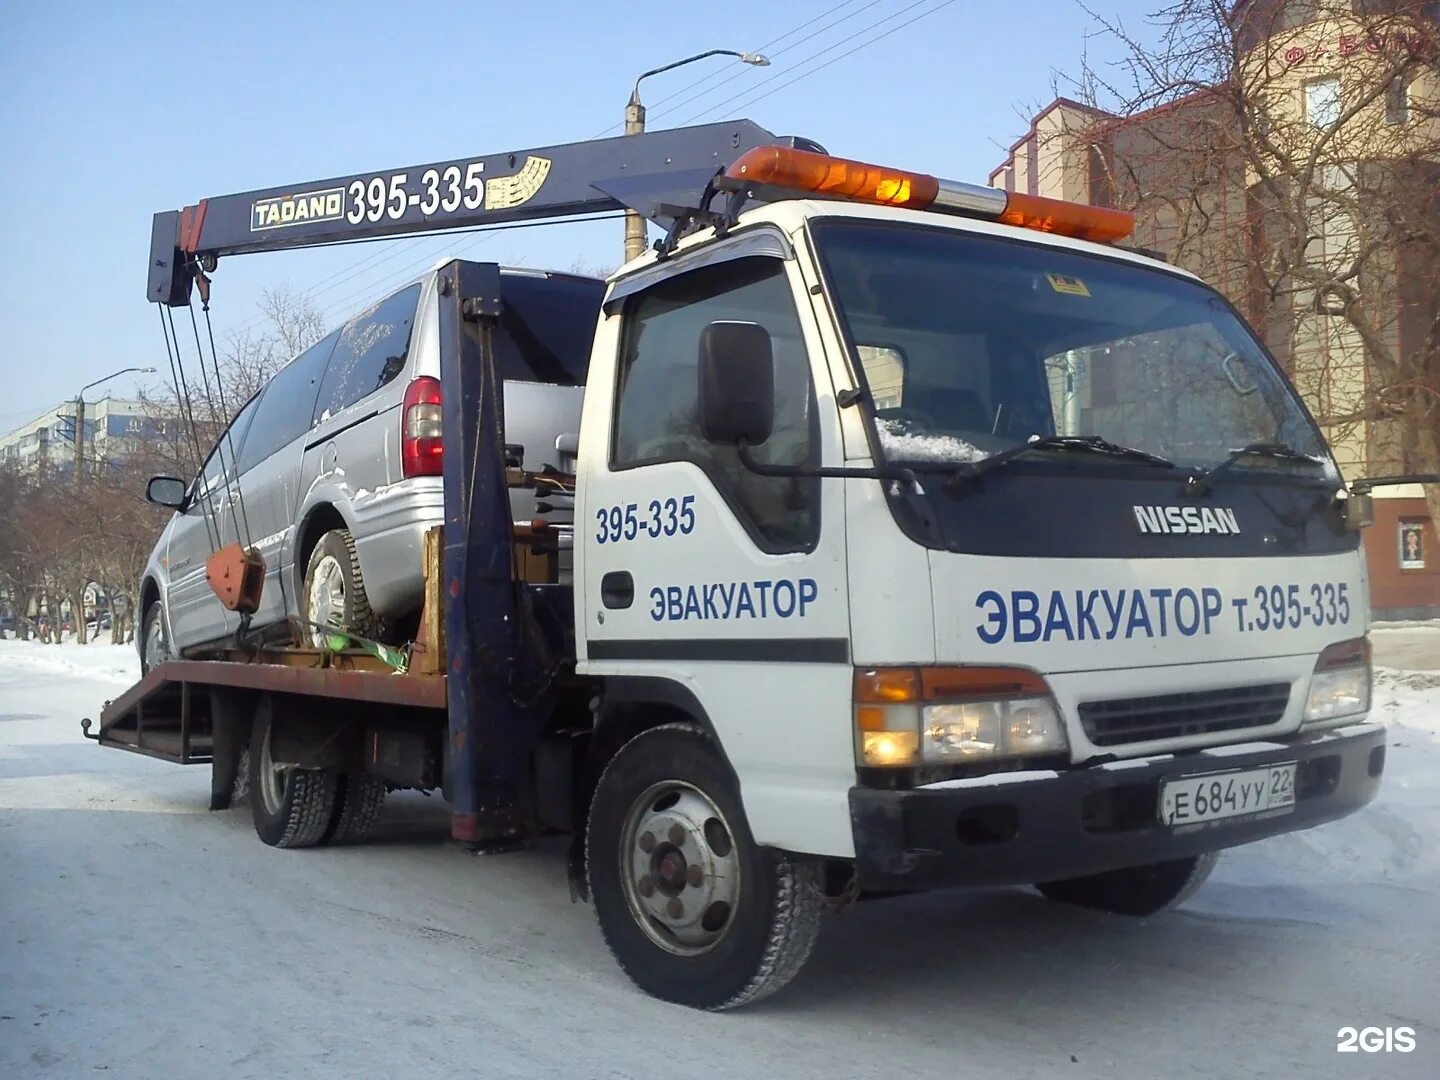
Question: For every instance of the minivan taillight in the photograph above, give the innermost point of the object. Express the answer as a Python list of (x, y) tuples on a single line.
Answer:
[(421, 449)]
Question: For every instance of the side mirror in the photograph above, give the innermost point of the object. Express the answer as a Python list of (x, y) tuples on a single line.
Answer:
[(166, 491), (737, 383), (1358, 511)]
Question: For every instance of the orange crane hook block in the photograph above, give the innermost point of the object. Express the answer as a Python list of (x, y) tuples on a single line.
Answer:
[(236, 575)]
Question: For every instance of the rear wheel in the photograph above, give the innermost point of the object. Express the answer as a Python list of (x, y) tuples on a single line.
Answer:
[(692, 908), (357, 809), (292, 807), (1135, 890), (334, 592), (155, 648)]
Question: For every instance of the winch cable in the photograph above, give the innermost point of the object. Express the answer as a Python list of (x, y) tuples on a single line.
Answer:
[(182, 396), (232, 474)]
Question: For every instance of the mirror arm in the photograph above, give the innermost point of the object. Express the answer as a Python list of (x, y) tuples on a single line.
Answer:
[(888, 472)]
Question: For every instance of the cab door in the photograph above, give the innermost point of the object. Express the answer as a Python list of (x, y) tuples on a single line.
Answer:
[(710, 584)]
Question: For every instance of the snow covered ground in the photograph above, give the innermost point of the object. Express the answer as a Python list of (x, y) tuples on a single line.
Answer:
[(145, 937)]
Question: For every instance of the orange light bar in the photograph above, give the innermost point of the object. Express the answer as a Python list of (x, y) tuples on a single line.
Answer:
[(1096, 223), (800, 170), (820, 174)]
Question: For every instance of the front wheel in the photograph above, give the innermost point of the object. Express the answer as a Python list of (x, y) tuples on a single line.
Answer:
[(1135, 890), (692, 908), (155, 649)]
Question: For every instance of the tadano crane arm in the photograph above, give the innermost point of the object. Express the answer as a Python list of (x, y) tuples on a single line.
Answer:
[(638, 172)]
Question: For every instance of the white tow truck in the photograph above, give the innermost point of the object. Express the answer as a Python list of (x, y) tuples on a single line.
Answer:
[(923, 536)]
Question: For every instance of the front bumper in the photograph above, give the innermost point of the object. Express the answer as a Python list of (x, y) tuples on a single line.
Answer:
[(1022, 828)]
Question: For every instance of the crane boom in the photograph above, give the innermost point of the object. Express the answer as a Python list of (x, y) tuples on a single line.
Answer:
[(640, 172)]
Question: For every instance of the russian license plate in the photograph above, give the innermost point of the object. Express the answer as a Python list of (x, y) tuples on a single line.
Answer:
[(1214, 796)]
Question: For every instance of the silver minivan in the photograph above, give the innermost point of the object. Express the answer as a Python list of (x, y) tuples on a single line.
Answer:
[(332, 471)]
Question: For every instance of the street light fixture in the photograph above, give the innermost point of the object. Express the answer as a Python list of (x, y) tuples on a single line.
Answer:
[(635, 124), (80, 415)]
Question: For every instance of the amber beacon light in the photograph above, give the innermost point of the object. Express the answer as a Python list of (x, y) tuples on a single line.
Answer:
[(801, 171)]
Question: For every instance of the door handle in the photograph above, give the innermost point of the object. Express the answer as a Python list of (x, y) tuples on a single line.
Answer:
[(617, 589)]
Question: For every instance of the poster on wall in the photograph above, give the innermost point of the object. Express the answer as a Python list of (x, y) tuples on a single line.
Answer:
[(1412, 545)]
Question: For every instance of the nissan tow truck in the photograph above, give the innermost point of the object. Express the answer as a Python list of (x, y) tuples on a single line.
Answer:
[(916, 534)]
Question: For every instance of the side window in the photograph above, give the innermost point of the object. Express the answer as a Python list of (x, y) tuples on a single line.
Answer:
[(656, 418), (223, 452), (287, 405), (371, 351)]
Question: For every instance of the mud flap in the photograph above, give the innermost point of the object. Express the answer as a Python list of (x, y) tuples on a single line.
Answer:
[(231, 717)]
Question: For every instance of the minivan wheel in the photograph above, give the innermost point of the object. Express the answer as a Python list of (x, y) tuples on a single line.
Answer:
[(334, 592), (156, 647)]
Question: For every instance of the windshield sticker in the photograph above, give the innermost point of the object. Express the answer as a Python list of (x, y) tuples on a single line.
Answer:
[(1070, 286)]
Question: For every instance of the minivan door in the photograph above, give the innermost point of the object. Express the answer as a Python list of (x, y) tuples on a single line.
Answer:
[(270, 473)]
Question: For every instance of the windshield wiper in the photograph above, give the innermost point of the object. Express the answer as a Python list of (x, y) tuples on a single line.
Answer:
[(1201, 482), (1075, 444)]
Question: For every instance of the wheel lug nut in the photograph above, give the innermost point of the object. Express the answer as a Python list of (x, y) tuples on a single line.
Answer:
[(675, 908), (694, 876), (645, 887), (677, 835), (647, 842)]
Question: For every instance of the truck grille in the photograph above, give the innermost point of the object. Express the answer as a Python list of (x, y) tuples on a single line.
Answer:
[(1171, 716)]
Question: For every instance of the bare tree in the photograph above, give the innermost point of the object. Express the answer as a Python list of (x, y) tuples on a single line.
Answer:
[(1289, 152)]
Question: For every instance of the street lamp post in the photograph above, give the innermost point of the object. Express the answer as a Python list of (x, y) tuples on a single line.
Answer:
[(80, 416), (635, 124)]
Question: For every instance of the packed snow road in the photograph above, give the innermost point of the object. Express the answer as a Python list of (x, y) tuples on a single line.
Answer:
[(145, 937)]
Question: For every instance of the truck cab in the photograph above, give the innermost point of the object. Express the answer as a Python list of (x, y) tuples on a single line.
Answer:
[(1031, 566)]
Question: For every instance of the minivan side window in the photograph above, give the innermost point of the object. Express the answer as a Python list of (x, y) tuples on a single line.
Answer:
[(289, 401), (371, 351), (658, 407), (223, 452)]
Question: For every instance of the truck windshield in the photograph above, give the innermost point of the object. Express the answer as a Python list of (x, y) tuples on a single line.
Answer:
[(972, 345)]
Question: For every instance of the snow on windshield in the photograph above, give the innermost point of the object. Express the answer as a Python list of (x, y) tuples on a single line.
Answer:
[(902, 444)]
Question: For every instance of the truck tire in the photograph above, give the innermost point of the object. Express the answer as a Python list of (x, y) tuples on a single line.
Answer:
[(334, 592), (292, 808), (1135, 890), (357, 809), (155, 649), (694, 911)]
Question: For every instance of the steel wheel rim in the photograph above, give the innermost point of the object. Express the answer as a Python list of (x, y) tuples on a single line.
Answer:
[(327, 597), (272, 778), (156, 652), (679, 868)]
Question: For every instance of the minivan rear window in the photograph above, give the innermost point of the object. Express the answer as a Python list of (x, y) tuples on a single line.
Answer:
[(372, 350), (547, 325), (289, 401)]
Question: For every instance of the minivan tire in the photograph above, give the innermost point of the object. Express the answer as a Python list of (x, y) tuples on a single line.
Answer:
[(154, 623), (333, 574)]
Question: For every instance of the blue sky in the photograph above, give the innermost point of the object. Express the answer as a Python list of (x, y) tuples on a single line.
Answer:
[(110, 112)]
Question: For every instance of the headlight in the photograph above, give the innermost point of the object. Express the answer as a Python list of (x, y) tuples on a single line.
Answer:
[(1340, 686), (905, 716), (982, 729)]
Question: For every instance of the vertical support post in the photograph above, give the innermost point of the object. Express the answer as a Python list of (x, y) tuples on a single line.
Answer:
[(80, 438), (491, 737), (635, 234)]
